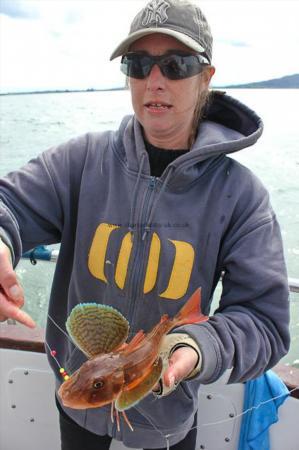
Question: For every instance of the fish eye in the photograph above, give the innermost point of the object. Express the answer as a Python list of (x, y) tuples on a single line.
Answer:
[(98, 384)]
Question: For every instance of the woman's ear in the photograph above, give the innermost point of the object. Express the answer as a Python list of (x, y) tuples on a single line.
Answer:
[(207, 75)]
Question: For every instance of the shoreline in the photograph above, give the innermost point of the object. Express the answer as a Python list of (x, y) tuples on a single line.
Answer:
[(76, 91), (62, 91)]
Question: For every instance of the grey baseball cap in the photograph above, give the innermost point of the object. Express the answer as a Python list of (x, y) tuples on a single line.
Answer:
[(180, 19)]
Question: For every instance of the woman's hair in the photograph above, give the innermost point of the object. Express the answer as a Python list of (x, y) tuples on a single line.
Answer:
[(200, 108)]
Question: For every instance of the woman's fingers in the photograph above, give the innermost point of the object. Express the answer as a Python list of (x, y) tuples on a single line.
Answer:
[(9, 309), (181, 364), (11, 292), (3, 318), (8, 278)]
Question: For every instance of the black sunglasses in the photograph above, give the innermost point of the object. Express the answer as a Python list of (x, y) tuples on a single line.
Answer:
[(174, 66)]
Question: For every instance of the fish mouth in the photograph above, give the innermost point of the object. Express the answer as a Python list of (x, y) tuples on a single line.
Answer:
[(74, 405), (67, 399), (77, 403), (72, 402)]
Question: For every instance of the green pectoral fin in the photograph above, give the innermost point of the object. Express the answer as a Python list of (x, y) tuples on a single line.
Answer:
[(131, 397), (96, 328)]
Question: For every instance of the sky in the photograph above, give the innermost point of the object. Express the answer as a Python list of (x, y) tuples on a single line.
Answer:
[(66, 44)]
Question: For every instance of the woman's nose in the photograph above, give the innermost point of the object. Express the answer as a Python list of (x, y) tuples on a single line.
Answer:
[(155, 79)]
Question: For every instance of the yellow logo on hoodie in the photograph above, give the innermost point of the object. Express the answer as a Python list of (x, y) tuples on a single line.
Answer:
[(181, 267)]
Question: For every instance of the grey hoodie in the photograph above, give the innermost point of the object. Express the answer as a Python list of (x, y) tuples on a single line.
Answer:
[(145, 244)]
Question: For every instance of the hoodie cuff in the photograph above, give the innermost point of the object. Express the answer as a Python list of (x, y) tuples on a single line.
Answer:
[(170, 343)]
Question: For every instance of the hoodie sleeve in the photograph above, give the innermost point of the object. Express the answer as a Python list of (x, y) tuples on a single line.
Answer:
[(37, 200), (249, 332)]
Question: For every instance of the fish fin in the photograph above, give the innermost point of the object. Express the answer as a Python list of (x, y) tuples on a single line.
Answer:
[(156, 328), (191, 311), (131, 397), (121, 347), (127, 420), (96, 328), (134, 342)]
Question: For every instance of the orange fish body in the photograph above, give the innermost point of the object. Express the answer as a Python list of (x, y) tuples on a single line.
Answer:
[(126, 374)]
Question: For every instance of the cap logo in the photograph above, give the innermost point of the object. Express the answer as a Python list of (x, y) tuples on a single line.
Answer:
[(155, 12)]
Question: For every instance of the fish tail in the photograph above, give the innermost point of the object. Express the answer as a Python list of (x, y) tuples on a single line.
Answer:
[(191, 311)]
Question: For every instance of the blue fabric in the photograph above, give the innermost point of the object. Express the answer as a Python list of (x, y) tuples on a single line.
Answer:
[(254, 433)]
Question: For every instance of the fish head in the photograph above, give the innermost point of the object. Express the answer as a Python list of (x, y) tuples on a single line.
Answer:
[(96, 383)]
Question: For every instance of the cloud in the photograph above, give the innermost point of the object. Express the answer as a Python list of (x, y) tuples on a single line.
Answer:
[(233, 43), (19, 9), (70, 43), (72, 16), (239, 44), (56, 34)]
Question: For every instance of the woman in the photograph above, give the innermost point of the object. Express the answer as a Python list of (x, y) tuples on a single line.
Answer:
[(145, 216)]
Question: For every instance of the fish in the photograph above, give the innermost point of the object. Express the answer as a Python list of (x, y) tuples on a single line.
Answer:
[(117, 372)]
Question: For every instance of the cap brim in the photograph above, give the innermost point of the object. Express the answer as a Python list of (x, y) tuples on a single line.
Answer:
[(123, 47)]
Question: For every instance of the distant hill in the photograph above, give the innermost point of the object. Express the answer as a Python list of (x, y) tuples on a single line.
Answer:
[(287, 82)]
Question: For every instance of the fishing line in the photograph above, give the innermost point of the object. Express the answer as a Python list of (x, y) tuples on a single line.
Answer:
[(220, 422), (59, 328), (53, 352), (75, 360), (164, 436), (62, 371)]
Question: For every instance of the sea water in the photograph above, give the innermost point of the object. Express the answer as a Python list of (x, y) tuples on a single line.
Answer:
[(32, 123)]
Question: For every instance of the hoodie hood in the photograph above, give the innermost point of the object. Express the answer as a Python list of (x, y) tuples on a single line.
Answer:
[(227, 127)]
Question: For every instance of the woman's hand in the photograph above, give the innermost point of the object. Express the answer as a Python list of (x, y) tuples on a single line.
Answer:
[(181, 364), (11, 292)]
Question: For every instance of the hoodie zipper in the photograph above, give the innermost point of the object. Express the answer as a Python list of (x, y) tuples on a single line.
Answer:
[(140, 245)]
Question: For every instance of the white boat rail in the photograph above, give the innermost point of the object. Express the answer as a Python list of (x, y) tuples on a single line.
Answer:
[(294, 284)]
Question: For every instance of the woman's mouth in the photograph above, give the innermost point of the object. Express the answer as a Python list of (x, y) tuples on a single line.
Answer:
[(157, 107)]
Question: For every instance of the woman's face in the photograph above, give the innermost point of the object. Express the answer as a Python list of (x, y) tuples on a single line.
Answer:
[(164, 107)]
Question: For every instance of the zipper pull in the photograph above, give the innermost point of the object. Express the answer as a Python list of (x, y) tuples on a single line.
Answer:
[(152, 183)]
